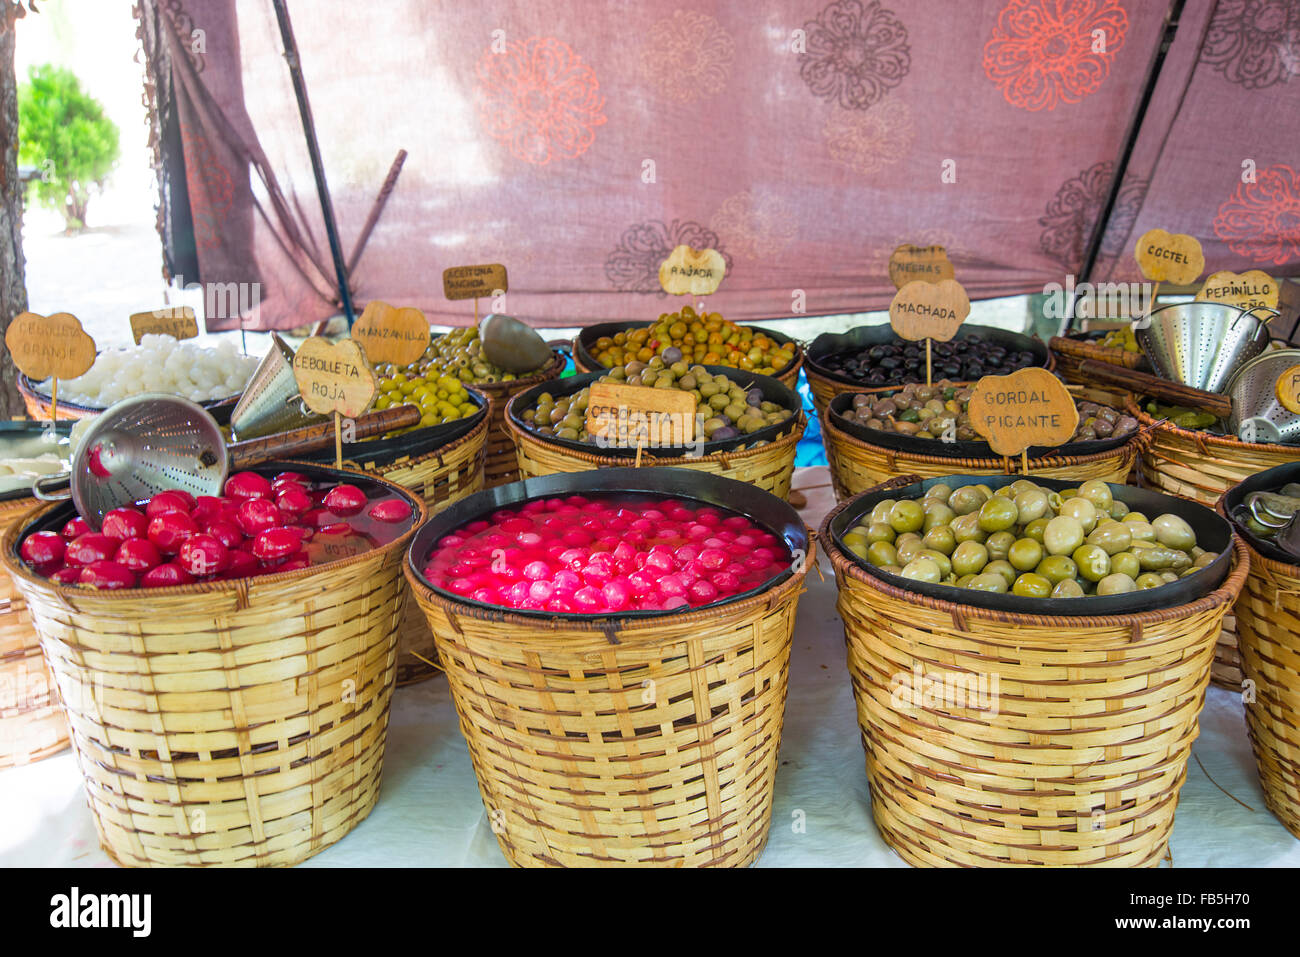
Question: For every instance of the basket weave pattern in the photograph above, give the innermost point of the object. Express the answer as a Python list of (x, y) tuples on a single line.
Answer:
[(1078, 753), (1202, 467), (230, 723), (769, 466), (32, 725), (1268, 629), (500, 467), (857, 466), (646, 742)]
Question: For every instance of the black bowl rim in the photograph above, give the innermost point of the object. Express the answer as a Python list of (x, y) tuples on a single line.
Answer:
[(1267, 480), (209, 404), (963, 449), (812, 353), (1176, 593), (608, 481), (570, 384), (599, 329), (46, 519)]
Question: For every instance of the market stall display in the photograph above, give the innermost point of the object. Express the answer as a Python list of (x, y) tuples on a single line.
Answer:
[(706, 339), (1268, 632), (862, 455), (220, 691), (1022, 701), (763, 457), (568, 784), (1115, 347), (869, 358)]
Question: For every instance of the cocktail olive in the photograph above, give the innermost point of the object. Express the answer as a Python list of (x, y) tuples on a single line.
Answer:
[(922, 570), (1111, 538), (1030, 585), (969, 558), (1025, 554), (1057, 568), (999, 544), (882, 553), (998, 514), (907, 516), (1062, 535), (1093, 562), (1116, 585)]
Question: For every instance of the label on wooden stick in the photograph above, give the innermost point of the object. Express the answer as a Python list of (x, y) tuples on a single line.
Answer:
[(175, 321), (334, 377), (1170, 257), (1030, 407), (692, 272), (627, 416), (1288, 389), (474, 282), (929, 310), (927, 263), (1245, 290), (389, 334), (49, 346)]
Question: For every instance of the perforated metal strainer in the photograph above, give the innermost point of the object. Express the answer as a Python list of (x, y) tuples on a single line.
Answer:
[(1257, 415), (1201, 344)]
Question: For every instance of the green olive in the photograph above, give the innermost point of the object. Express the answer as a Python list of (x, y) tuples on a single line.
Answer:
[(1002, 567), (1140, 531), (999, 544), (1069, 588), (1125, 563), (922, 570), (1148, 580), (1118, 510), (998, 514), (880, 532), (1063, 535), (940, 559), (906, 516), (882, 553), (1159, 558), (909, 546), (939, 491), (1030, 585), (1135, 517), (1098, 493), (969, 558), (1031, 504), (936, 513), (1057, 568), (1116, 584), (1082, 511), (1035, 529), (966, 499), (880, 513), (1093, 562), (1025, 554), (966, 528), (941, 539), (1173, 531), (1111, 538), (988, 582)]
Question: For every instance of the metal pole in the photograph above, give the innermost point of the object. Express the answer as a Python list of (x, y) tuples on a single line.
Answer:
[(313, 149)]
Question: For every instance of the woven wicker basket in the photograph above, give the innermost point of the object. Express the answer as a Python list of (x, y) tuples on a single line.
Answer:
[(583, 361), (226, 723), (1070, 352), (440, 477), (39, 406), (1202, 467), (500, 467), (32, 725), (769, 467), (607, 742), (1075, 757), (1268, 631), (857, 465)]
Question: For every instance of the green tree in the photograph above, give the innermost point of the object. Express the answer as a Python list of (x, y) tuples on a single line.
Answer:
[(63, 132)]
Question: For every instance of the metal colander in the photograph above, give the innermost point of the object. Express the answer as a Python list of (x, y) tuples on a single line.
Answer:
[(271, 402), (139, 447), (1201, 344), (1257, 415)]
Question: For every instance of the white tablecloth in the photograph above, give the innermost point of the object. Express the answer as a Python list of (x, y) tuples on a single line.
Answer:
[(429, 811)]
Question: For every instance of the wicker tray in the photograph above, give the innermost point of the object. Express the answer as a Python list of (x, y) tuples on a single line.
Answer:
[(1075, 756), (227, 723), (1070, 351), (617, 741)]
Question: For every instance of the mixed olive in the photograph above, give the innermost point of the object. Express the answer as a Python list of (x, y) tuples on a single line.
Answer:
[(1027, 540), (899, 362), (706, 338), (726, 408), (1181, 416), (458, 353), (939, 411)]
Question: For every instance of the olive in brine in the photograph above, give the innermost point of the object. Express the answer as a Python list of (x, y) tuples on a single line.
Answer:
[(1030, 585), (1173, 531), (998, 514), (969, 558)]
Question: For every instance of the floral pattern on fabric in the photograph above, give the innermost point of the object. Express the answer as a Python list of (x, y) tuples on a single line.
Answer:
[(855, 53), (1072, 214), (867, 141), (756, 226), (633, 266), (1261, 220), (687, 56), (1254, 43)]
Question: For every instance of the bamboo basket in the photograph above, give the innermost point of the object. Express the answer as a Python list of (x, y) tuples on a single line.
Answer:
[(440, 477), (39, 406), (500, 466), (857, 465), (769, 467), (32, 725), (1076, 755), (1268, 631), (1202, 467), (1070, 352), (606, 742), (226, 723)]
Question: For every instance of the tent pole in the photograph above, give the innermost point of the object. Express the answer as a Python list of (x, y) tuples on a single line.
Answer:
[(313, 150), (1130, 140)]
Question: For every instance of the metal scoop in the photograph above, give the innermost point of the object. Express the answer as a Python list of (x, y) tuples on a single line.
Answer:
[(154, 442)]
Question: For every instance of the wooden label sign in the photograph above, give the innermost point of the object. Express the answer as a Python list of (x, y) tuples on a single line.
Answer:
[(334, 377), (1029, 407), (389, 334), (1170, 257), (1288, 389), (49, 346), (929, 310), (1245, 290), (928, 263), (474, 282), (692, 272), (627, 416), (175, 321)]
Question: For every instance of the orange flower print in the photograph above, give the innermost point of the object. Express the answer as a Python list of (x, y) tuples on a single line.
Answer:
[(1047, 52), (1261, 220), (688, 56), (866, 141), (540, 99), (755, 227)]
